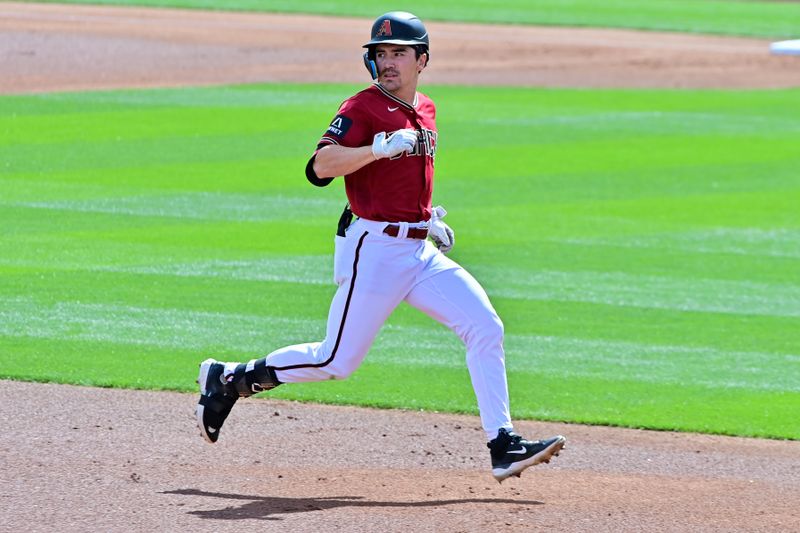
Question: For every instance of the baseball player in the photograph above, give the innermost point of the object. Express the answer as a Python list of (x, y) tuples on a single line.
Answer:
[(383, 141)]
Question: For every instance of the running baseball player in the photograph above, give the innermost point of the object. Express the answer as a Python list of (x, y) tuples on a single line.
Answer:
[(383, 141)]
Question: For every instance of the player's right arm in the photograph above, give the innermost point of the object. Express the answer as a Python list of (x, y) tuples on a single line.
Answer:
[(344, 147), (350, 143), (334, 160)]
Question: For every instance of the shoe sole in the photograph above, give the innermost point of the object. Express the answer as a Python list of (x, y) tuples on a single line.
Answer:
[(544, 456), (202, 379)]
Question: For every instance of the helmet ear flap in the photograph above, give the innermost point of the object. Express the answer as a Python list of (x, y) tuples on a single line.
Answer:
[(369, 62)]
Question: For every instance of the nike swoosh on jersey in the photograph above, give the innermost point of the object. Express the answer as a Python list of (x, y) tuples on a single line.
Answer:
[(393, 108)]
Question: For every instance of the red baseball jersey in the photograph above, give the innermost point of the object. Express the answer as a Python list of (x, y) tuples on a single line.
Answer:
[(396, 189)]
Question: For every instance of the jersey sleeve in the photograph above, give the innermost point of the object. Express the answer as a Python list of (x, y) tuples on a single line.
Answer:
[(350, 127)]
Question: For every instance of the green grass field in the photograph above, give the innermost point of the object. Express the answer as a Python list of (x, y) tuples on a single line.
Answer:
[(642, 247), (731, 17)]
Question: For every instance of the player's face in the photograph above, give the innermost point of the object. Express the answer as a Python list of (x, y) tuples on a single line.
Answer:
[(398, 66)]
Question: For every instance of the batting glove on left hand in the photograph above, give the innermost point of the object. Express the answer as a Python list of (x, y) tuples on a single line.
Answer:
[(440, 233)]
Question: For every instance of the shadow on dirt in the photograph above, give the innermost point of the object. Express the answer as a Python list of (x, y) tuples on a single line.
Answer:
[(266, 507)]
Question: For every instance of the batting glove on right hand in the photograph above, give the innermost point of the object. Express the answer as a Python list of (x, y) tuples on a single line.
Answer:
[(398, 142)]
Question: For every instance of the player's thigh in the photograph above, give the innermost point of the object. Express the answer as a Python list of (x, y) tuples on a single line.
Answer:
[(354, 319), (456, 299), (376, 285)]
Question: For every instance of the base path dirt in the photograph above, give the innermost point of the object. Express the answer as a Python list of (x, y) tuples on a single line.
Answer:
[(47, 47), (85, 459)]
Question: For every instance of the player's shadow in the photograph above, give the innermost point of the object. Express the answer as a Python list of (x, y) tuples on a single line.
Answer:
[(266, 507)]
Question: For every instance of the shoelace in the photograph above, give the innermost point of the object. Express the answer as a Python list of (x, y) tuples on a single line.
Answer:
[(517, 439)]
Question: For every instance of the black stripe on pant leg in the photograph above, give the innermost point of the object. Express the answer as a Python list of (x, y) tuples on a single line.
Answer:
[(344, 317)]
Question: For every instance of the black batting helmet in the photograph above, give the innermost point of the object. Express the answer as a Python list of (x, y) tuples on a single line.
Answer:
[(398, 27)]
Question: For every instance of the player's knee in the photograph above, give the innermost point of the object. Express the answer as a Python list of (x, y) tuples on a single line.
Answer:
[(486, 331), (492, 330), (339, 372)]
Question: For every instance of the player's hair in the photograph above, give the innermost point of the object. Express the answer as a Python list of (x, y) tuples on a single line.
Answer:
[(420, 49)]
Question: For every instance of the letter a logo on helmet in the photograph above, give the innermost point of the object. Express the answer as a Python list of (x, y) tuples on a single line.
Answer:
[(385, 30), (398, 27)]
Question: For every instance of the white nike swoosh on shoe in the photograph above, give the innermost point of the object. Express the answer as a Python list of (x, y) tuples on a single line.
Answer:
[(522, 449), (392, 108), (212, 430)]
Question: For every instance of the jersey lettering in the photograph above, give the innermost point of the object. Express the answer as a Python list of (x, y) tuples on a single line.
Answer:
[(426, 141), (429, 139), (339, 126)]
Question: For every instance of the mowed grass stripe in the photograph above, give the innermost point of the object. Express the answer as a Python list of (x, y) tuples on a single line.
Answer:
[(200, 205), (202, 331), (781, 242), (611, 288), (642, 247), (619, 288), (739, 17)]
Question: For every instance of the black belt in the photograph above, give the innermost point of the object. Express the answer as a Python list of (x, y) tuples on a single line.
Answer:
[(393, 230)]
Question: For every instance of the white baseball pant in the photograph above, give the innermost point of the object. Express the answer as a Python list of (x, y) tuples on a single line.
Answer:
[(375, 272)]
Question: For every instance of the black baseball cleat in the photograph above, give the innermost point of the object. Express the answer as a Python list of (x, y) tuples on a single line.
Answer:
[(511, 454), (216, 401)]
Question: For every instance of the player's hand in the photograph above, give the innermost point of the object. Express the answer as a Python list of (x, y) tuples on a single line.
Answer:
[(398, 142), (440, 233)]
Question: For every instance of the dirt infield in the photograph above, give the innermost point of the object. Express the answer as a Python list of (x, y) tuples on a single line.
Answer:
[(52, 47), (82, 459), (78, 459)]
